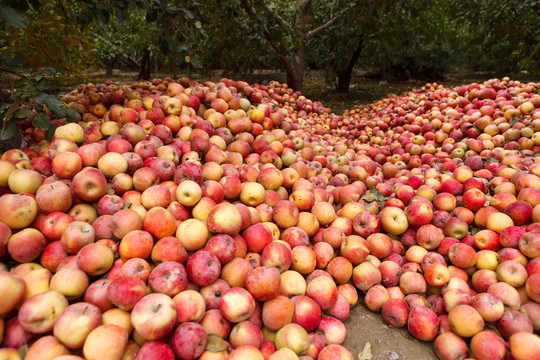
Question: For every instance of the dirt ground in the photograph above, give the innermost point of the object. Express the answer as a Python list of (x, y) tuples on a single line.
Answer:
[(387, 343)]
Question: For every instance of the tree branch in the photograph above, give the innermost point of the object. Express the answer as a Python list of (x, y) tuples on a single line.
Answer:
[(128, 59), (12, 72), (103, 39), (47, 54), (63, 10), (67, 19), (330, 22), (301, 18), (279, 19), (356, 55), (250, 10), (252, 13)]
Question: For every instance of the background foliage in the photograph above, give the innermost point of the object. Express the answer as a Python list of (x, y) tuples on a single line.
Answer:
[(395, 38), (389, 38)]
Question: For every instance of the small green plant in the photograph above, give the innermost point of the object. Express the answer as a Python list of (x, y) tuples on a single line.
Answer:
[(28, 101)]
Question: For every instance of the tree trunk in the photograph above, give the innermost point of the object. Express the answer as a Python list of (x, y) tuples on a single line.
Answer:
[(385, 69), (292, 76), (109, 69), (298, 32), (172, 66), (299, 68), (109, 66), (146, 67), (345, 73), (294, 82)]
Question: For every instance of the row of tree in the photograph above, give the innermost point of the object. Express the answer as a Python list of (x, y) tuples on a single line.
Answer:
[(240, 36)]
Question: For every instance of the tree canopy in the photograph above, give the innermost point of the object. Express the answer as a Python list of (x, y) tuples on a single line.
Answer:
[(390, 36)]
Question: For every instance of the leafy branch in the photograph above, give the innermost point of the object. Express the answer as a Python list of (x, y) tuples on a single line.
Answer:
[(30, 102)]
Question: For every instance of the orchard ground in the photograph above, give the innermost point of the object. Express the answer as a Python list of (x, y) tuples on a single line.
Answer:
[(387, 343), (363, 326)]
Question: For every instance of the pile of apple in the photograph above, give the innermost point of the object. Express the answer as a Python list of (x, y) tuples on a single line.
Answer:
[(223, 220)]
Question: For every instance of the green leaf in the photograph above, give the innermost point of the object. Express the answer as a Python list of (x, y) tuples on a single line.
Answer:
[(41, 120), (14, 63), (22, 114), (43, 99), (48, 70), (375, 191), (50, 132), (72, 115), (13, 17), (39, 86), (514, 121), (9, 130), (55, 109), (52, 103), (188, 13), (4, 107), (195, 61)]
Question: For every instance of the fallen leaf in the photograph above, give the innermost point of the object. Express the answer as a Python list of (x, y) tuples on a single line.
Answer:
[(366, 352), (216, 344)]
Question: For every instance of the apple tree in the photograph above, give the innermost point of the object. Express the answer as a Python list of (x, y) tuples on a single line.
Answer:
[(339, 51), (42, 33), (287, 29), (419, 38), (225, 23), (126, 43), (412, 37), (146, 27), (68, 34), (499, 35), (35, 35)]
